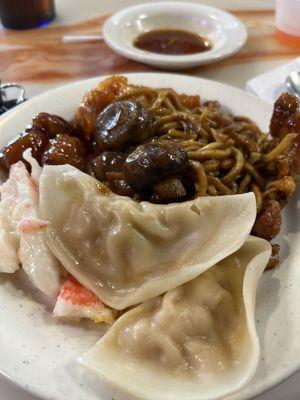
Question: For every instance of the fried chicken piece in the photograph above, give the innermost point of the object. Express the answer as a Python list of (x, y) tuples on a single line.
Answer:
[(52, 125), (64, 149), (288, 163), (281, 189), (12, 152), (286, 116), (212, 105), (274, 259), (268, 222), (190, 102)]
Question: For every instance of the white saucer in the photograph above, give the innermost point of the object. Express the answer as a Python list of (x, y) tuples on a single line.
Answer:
[(225, 32)]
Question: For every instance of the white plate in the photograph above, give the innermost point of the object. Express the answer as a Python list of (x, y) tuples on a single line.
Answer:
[(225, 32), (40, 354)]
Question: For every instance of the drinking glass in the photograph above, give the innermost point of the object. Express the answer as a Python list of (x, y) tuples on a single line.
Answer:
[(26, 14), (288, 21)]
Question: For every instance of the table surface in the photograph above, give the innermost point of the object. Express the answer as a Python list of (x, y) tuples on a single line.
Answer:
[(40, 61)]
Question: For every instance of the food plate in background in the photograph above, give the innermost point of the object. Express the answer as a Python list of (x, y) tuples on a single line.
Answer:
[(40, 353)]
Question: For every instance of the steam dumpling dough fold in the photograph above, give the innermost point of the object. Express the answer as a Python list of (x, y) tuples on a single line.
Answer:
[(196, 342), (128, 252)]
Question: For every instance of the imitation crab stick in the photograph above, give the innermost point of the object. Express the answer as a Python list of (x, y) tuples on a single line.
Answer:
[(77, 302)]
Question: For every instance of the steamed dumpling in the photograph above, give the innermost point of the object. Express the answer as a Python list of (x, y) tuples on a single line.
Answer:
[(198, 339), (128, 252)]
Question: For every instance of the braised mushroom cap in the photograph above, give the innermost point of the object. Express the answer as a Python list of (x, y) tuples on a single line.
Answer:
[(121, 123), (153, 161), (109, 161)]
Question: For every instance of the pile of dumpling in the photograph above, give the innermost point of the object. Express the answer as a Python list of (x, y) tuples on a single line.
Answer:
[(182, 278)]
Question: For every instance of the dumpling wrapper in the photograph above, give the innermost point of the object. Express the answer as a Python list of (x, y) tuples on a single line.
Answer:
[(196, 342), (127, 252)]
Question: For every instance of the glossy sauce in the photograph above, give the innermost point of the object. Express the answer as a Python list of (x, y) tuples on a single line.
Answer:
[(172, 42)]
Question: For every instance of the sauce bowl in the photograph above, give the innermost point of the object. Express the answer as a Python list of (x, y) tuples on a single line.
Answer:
[(226, 33)]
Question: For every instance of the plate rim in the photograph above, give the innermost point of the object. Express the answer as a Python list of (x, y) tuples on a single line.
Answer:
[(174, 74)]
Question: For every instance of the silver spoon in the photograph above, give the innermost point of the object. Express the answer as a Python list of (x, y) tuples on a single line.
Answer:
[(293, 83)]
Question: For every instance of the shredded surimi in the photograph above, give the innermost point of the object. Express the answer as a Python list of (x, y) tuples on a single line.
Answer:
[(22, 242), (77, 302), (29, 224), (22, 233)]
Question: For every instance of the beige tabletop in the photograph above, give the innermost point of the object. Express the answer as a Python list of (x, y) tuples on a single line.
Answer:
[(39, 60)]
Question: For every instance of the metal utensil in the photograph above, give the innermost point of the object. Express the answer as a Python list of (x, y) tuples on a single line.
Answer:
[(6, 100), (293, 83)]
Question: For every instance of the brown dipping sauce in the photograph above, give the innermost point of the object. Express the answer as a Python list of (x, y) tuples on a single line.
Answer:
[(172, 42)]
